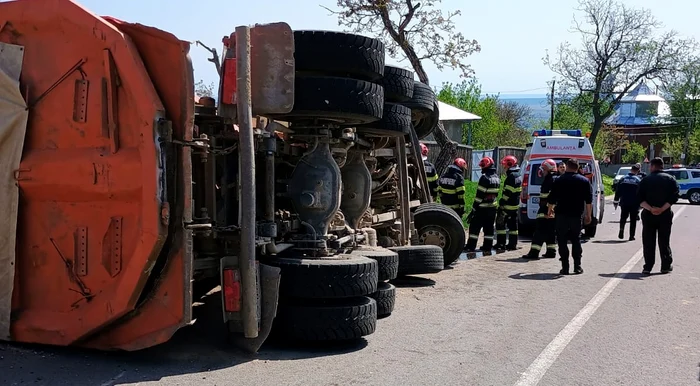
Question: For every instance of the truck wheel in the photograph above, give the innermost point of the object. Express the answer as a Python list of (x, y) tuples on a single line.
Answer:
[(327, 278), (338, 54), (342, 100), (387, 261), (326, 321), (398, 84), (395, 122), (419, 259), (424, 126), (694, 197), (423, 101), (441, 226), (386, 299)]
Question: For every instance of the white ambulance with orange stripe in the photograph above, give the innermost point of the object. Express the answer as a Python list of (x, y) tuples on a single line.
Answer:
[(559, 145)]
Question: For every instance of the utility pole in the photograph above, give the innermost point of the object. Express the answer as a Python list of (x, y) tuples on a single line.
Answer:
[(551, 105)]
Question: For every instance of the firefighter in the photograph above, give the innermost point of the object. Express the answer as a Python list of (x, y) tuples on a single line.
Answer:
[(561, 168), (626, 198), (507, 216), (451, 187), (545, 231), (483, 213), (430, 172)]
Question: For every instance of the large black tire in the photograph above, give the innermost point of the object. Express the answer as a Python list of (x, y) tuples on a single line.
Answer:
[(419, 259), (386, 299), (426, 124), (396, 121), (439, 225), (387, 261), (423, 101), (398, 84), (331, 278), (341, 100), (338, 54), (338, 320), (694, 196)]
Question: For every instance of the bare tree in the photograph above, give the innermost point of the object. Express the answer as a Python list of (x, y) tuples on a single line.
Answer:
[(414, 31), (204, 90), (214, 56), (621, 46)]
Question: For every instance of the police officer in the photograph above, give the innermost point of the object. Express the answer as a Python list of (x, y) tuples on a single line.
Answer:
[(483, 213), (451, 186), (570, 198), (507, 215), (544, 225), (626, 198), (430, 171), (657, 192)]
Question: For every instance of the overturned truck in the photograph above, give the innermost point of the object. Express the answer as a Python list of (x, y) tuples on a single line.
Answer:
[(301, 194)]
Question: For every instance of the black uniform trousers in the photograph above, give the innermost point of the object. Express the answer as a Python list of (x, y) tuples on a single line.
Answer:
[(545, 233), (569, 229), (484, 218), (654, 226), (633, 214), (510, 222)]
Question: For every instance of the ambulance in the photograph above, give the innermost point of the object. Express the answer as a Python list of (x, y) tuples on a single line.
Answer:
[(559, 145)]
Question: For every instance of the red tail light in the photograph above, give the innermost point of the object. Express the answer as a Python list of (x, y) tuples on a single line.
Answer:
[(526, 181), (232, 290)]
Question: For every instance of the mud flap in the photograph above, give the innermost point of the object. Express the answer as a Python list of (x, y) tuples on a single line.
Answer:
[(13, 127), (270, 285)]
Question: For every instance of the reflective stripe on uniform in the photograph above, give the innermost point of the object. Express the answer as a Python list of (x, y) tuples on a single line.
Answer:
[(447, 191), (481, 188), (536, 247), (461, 196), (454, 206), (478, 200), (505, 197), (513, 233), (493, 190), (552, 247), (488, 237), (501, 232), (433, 178), (474, 237), (510, 207), (488, 205), (513, 189), (544, 195)]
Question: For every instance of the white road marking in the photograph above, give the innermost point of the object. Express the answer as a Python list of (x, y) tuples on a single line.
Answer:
[(113, 380), (533, 375)]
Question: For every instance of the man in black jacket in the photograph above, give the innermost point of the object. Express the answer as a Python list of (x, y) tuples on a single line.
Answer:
[(657, 192), (570, 198), (451, 187), (626, 198), (507, 216), (484, 209)]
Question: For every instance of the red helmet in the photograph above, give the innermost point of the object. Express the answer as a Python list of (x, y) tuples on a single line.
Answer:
[(423, 150), (461, 163), (486, 162), (548, 165), (509, 161)]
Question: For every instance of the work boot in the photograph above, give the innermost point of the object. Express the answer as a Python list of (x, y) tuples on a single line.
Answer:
[(550, 254), (500, 247), (578, 270), (564, 271), (512, 247), (667, 270), (632, 238), (621, 235)]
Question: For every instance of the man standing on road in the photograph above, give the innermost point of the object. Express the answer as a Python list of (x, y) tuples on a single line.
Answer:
[(570, 198), (545, 231), (430, 171), (657, 192), (451, 187), (484, 209), (507, 216), (626, 198)]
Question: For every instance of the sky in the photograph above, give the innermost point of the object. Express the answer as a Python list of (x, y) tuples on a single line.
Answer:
[(514, 35)]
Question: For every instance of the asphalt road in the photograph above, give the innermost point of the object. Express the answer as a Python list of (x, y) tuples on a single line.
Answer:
[(494, 320)]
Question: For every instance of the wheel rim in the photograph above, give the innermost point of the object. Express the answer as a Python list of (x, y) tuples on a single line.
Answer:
[(695, 197), (434, 235)]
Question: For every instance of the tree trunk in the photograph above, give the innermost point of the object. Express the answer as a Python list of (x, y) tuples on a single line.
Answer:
[(597, 125)]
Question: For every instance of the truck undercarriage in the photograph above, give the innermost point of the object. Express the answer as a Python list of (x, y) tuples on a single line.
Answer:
[(300, 194)]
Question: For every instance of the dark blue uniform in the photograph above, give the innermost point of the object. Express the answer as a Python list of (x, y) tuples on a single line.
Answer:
[(657, 189), (451, 189), (484, 209), (570, 193), (431, 174), (626, 196), (508, 210), (545, 227)]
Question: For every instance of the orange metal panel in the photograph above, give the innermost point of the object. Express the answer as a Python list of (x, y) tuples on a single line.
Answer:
[(79, 179), (169, 307)]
